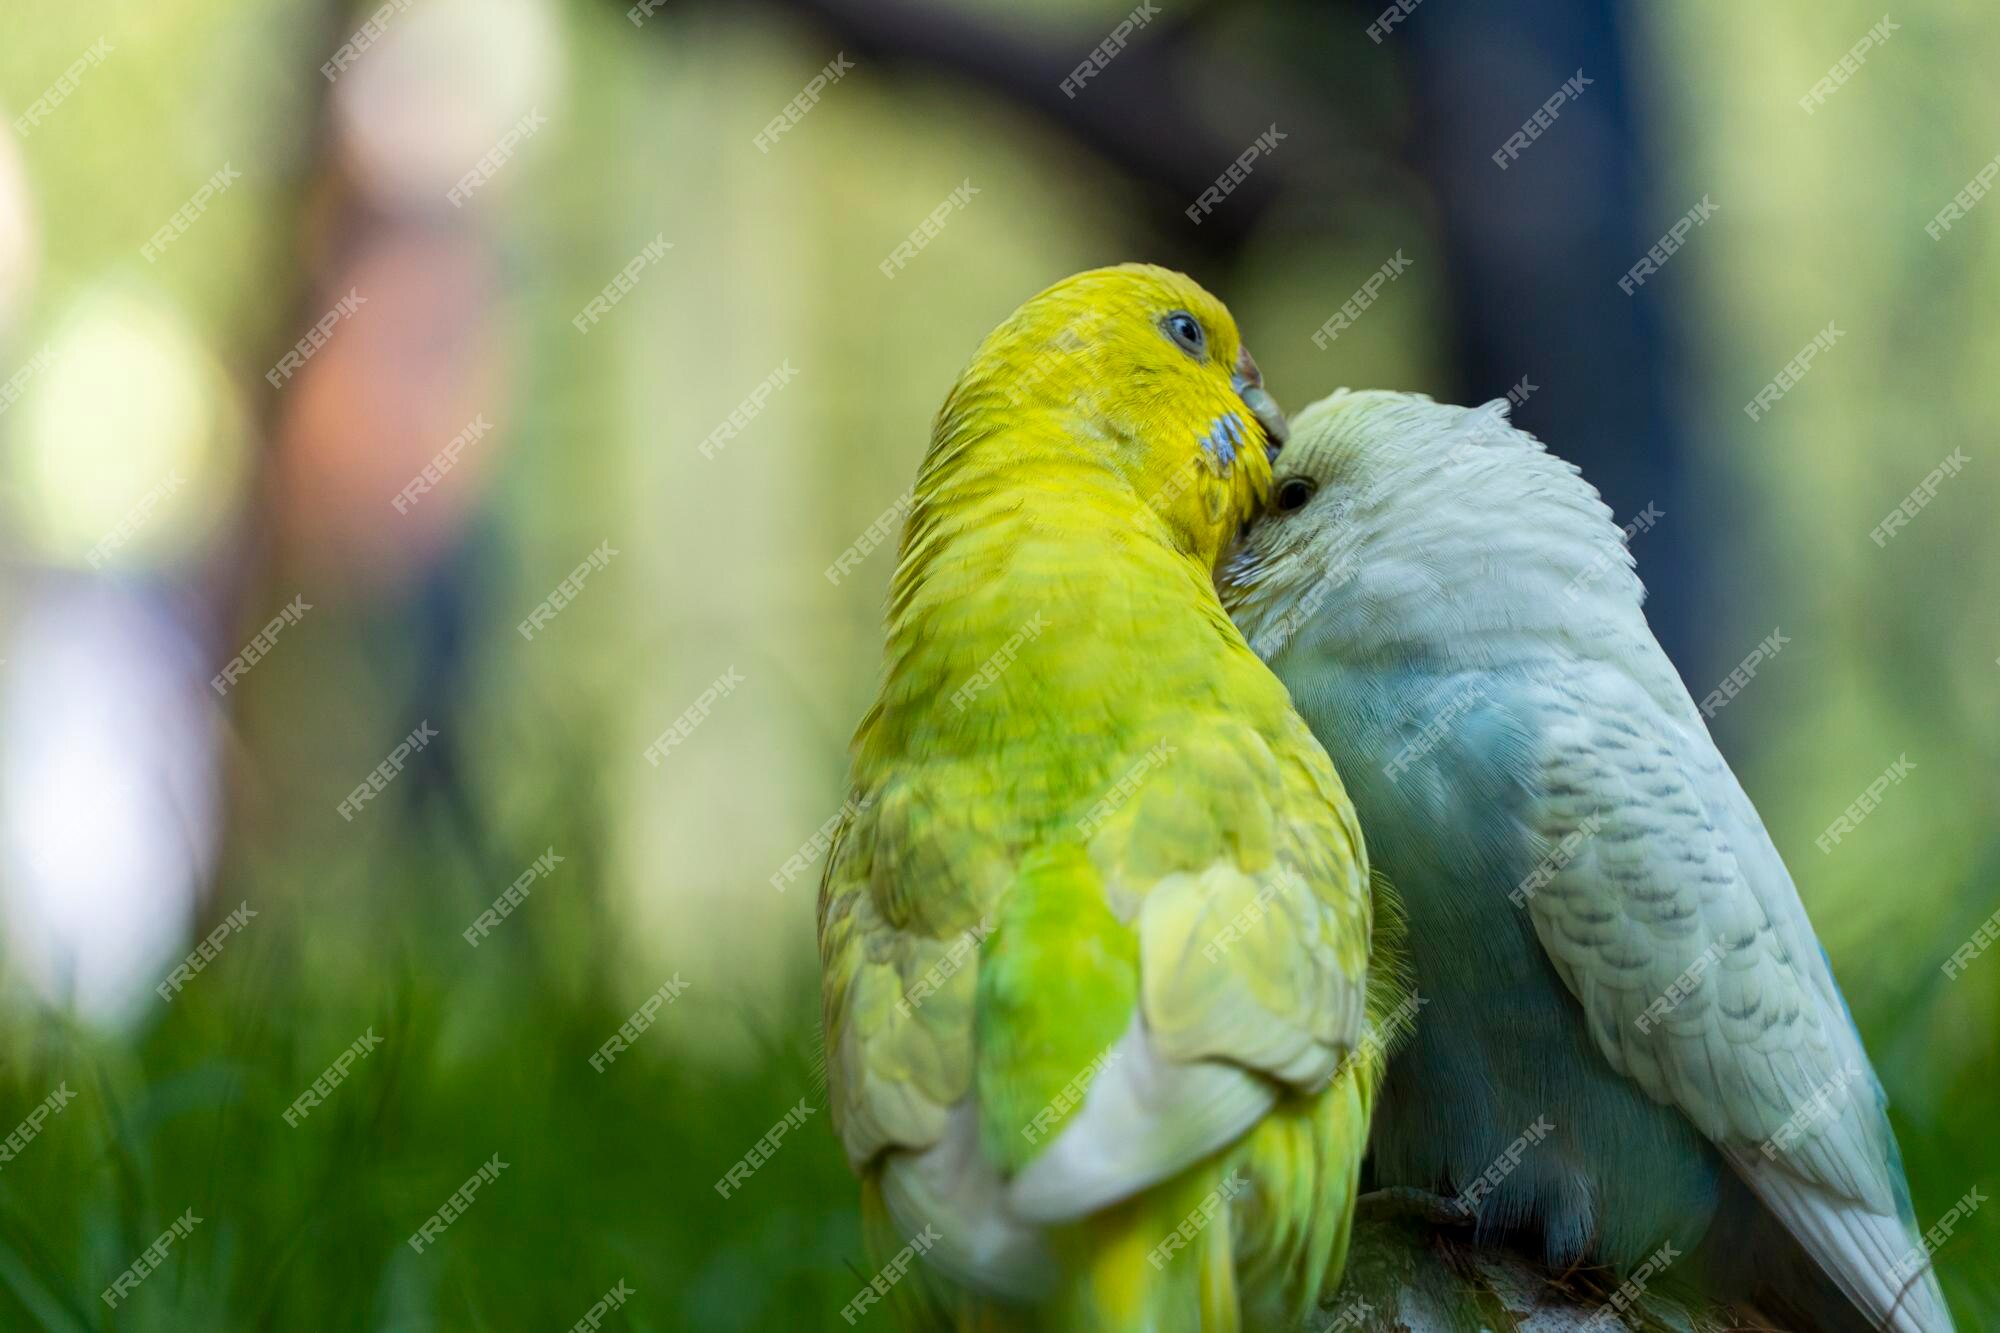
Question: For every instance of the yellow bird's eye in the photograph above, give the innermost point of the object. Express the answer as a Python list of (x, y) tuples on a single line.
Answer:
[(1293, 493), (1187, 334)]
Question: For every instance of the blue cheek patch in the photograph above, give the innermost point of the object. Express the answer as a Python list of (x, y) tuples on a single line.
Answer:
[(1224, 438)]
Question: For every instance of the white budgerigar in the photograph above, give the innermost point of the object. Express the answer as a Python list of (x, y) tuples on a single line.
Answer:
[(1632, 1036)]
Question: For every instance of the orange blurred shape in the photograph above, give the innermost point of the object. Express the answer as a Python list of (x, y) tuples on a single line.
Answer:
[(389, 431)]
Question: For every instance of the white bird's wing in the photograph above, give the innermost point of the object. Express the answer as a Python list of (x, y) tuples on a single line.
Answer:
[(1671, 917)]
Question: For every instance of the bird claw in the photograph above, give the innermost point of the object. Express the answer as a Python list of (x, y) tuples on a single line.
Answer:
[(1411, 1202)]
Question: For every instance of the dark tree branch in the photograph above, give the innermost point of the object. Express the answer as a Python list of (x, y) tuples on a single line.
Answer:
[(1162, 112)]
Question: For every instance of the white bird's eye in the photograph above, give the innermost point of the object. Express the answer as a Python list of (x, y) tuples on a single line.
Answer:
[(1293, 493), (1187, 333)]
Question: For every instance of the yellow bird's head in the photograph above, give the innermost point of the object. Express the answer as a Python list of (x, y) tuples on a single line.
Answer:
[(1134, 375)]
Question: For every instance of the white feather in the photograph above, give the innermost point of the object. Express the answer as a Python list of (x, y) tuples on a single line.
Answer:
[(1443, 536), (1144, 1119), (952, 1187)]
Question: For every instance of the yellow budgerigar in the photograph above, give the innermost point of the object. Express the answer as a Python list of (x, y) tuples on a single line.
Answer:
[(1096, 934)]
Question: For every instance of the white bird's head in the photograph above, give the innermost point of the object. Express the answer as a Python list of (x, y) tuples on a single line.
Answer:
[(1399, 527)]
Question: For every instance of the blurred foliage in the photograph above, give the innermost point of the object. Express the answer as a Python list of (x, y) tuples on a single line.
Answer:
[(720, 565)]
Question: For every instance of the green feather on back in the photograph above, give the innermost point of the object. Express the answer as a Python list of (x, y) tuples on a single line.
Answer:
[(1057, 982)]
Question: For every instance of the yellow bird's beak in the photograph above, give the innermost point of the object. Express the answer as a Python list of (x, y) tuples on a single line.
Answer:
[(1249, 384)]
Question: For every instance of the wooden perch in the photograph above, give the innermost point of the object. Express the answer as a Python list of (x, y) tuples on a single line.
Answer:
[(1409, 1275)]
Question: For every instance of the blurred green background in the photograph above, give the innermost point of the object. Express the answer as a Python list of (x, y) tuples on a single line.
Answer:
[(162, 499)]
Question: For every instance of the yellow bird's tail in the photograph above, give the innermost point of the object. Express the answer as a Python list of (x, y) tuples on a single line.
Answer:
[(1160, 1262), (1254, 1237)]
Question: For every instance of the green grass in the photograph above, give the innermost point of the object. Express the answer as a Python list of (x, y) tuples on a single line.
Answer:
[(608, 1176)]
